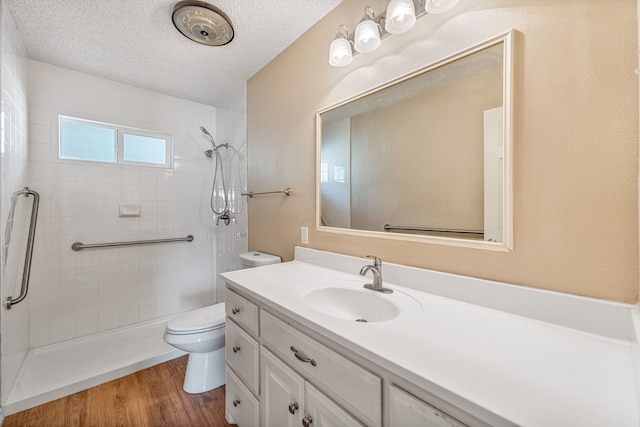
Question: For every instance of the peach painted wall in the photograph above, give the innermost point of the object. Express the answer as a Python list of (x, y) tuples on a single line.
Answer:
[(575, 140)]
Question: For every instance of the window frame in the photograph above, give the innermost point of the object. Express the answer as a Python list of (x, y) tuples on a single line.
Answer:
[(118, 149)]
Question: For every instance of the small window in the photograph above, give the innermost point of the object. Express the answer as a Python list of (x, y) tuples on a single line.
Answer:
[(137, 148), (87, 141), (100, 142)]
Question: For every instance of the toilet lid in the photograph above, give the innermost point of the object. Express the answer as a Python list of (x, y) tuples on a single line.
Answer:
[(199, 320)]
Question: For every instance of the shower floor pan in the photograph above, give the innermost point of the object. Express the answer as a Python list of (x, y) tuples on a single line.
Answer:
[(61, 369)]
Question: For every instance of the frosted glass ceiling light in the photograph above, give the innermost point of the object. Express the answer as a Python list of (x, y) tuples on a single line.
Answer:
[(367, 36), (340, 50), (202, 23), (440, 6), (401, 16)]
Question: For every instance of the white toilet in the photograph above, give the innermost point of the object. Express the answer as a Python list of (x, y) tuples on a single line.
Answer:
[(201, 333)]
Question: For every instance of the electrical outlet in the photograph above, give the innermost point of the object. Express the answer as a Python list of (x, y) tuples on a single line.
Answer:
[(304, 235)]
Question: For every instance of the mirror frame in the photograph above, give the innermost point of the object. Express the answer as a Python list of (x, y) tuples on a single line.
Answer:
[(507, 209)]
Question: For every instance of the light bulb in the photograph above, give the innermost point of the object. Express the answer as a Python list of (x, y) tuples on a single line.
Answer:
[(340, 54), (367, 37), (401, 16), (439, 6)]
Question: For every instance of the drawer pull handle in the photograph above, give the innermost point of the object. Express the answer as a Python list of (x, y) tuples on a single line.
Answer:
[(307, 421), (236, 402), (302, 357), (235, 310), (236, 348), (293, 407)]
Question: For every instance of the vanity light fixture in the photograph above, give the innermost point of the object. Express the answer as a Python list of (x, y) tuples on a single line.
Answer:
[(341, 49), (368, 32), (400, 17)]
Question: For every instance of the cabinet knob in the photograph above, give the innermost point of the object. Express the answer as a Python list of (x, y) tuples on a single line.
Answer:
[(236, 402), (293, 407), (236, 348), (306, 421), (235, 310)]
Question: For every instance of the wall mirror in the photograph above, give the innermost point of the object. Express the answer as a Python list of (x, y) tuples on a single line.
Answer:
[(426, 157)]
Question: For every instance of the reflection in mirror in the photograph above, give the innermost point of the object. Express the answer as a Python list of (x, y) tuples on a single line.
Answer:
[(423, 158)]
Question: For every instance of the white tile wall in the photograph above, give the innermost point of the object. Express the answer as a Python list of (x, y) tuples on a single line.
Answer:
[(79, 293), (13, 158)]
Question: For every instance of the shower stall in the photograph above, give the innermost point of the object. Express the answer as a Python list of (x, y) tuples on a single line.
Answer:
[(99, 313)]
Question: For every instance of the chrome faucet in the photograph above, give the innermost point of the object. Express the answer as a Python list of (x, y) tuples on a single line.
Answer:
[(376, 270)]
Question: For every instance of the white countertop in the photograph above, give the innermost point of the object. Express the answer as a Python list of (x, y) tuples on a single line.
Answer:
[(504, 368)]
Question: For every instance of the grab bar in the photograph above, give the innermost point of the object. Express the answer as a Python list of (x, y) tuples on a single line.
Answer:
[(286, 191), (388, 227), (78, 246), (26, 272)]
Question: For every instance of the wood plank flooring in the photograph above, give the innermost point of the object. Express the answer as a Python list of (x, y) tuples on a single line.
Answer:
[(149, 398)]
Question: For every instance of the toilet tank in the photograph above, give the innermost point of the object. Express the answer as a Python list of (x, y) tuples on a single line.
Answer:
[(257, 259)]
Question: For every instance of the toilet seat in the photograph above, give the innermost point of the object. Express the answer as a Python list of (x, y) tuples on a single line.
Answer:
[(197, 321)]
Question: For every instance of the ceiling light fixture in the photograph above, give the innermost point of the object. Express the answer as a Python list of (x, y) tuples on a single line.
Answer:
[(399, 17), (203, 23)]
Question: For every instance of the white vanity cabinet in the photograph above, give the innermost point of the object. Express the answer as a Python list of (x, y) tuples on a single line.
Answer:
[(272, 382), (288, 400), (279, 375), (459, 351)]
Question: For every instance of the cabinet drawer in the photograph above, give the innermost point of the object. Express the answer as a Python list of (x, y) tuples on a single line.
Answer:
[(241, 353), (407, 410), (240, 404), (244, 312), (357, 389)]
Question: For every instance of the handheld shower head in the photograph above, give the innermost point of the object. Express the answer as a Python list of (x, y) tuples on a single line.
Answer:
[(206, 132)]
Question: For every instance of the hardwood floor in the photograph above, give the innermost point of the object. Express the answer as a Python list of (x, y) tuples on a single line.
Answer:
[(149, 398)]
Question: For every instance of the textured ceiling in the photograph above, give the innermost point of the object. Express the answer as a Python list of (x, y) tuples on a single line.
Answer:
[(135, 42)]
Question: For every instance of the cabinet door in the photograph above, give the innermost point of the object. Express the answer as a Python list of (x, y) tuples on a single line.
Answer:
[(407, 410), (323, 412), (282, 393)]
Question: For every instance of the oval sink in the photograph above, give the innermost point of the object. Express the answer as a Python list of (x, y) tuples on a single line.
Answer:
[(352, 304), (350, 301)]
